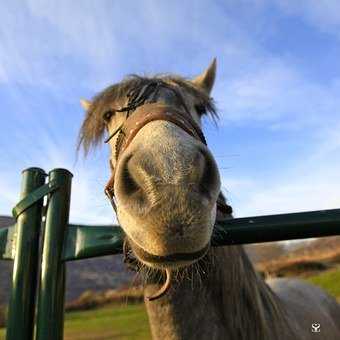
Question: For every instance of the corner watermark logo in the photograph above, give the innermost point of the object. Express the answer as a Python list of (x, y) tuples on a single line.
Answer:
[(316, 328)]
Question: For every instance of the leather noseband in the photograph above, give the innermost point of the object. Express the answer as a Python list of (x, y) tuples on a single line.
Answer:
[(142, 116), (143, 108)]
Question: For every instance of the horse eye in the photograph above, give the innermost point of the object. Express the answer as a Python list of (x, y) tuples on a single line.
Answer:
[(107, 115), (201, 110)]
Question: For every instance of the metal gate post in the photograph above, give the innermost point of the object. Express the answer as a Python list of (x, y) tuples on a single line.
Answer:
[(20, 323), (50, 314)]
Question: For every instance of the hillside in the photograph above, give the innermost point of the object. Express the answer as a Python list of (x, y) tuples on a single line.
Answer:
[(314, 257), (325, 246)]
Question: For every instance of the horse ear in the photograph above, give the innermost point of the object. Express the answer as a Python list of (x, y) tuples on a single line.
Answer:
[(206, 80), (85, 104)]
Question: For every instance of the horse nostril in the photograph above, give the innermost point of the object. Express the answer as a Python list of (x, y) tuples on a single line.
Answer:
[(141, 184), (210, 177), (130, 186)]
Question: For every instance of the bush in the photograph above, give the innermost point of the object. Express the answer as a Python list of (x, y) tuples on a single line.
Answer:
[(90, 299)]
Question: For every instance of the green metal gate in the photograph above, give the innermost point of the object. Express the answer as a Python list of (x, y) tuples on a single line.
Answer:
[(42, 241)]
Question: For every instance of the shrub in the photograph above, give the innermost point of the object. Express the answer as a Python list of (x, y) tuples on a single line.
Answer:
[(90, 299)]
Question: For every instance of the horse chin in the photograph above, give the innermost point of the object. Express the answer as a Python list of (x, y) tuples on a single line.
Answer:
[(171, 261)]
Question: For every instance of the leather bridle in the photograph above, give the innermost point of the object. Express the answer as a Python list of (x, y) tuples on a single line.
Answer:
[(143, 108)]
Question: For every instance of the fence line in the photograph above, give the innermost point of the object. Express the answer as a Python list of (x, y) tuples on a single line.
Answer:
[(45, 229)]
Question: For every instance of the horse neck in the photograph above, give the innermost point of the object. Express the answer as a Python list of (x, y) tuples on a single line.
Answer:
[(221, 298)]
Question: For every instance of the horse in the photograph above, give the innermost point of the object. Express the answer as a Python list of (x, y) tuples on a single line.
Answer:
[(165, 189)]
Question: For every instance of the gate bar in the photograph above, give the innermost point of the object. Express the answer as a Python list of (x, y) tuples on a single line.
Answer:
[(259, 229), (21, 309), (50, 314), (84, 241), (7, 242)]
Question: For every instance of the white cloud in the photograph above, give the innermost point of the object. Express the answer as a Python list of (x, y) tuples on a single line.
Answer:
[(107, 41), (3, 75), (88, 202), (9, 189), (275, 93), (38, 147), (316, 191), (89, 205), (325, 15), (57, 45), (311, 183)]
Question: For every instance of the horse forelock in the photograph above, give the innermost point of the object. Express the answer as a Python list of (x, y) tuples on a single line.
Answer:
[(93, 128)]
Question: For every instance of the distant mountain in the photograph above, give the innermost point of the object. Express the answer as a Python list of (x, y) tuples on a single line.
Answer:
[(5, 266), (97, 274), (317, 247), (6, 221), (263, 251)]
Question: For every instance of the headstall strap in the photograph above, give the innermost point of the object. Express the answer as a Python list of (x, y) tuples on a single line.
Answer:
[(142, 109)]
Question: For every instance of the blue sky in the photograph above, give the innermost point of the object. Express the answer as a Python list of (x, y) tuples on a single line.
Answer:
[(277, 91)]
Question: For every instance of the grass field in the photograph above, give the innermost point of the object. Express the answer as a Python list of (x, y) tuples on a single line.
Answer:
[(129, 322), (329, 281), (107, 323)]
